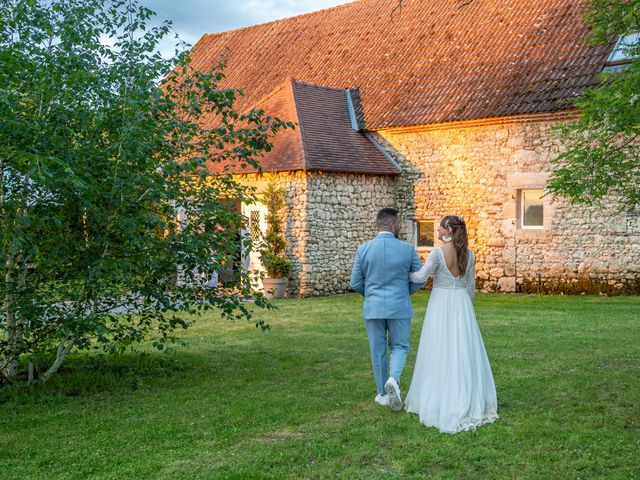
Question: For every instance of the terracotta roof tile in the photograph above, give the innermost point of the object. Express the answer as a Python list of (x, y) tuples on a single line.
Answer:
[(323, 140), (433, 62), (287, 152), (330, 142)]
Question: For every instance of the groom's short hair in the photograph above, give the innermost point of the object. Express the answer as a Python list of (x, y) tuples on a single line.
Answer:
[(386, 217)]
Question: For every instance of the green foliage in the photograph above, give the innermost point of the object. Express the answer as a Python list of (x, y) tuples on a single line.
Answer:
[(276, 266), (96, 158), (602, 156), (298, 403), (272, 253), (611, 18)]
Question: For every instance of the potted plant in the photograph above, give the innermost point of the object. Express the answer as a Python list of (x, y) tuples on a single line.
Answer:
[(276, 264)]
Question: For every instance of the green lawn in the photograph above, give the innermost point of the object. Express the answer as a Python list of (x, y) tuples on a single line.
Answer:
[(297, 402)]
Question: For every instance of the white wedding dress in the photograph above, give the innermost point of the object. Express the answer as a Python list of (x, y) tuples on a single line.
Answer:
[(452, 387)]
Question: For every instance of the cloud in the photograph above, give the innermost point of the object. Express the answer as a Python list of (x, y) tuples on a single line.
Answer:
[(270, 10), (193, 18)]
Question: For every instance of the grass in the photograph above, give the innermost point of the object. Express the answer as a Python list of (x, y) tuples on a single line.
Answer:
[(297, 402)]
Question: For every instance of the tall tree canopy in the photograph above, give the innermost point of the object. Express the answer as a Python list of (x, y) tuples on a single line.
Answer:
[(602, 156), (96, 157)]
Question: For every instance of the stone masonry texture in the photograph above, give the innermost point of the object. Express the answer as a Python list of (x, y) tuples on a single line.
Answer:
[(476, 172)]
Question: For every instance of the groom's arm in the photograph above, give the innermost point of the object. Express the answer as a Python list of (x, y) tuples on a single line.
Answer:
[(416, 264), (357, 277)]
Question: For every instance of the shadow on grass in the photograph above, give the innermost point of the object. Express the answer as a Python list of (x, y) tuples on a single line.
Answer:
[(84, 375)]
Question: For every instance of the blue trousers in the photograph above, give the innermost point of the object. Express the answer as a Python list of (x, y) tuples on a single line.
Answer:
[(395, 334)]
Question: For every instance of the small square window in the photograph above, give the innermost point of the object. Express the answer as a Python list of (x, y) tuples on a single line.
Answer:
[(425, 235), (532, 208)]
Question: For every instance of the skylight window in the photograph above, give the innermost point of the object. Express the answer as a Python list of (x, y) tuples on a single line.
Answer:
[(622, 52)]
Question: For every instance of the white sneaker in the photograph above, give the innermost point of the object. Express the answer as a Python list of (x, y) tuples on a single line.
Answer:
[(393, 391), (382, 400)]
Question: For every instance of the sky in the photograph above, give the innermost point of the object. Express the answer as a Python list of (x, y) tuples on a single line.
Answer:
[(193, 18)]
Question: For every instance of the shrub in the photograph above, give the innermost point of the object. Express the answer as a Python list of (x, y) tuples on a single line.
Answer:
[(272, 251)]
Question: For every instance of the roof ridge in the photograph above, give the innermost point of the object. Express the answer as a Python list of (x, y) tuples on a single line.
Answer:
[(315, 12)]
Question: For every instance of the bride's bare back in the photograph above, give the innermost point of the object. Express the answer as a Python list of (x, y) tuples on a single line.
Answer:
[(451, 258)]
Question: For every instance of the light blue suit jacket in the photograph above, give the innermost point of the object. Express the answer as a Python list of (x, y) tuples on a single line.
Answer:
[(381, 273)]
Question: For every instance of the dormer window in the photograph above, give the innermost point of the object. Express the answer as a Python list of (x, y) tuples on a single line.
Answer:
[(623, 53)]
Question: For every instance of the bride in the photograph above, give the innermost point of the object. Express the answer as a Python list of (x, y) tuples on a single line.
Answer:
[(452, 387)]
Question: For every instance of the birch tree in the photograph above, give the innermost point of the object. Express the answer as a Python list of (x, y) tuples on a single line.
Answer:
[(96, 157)]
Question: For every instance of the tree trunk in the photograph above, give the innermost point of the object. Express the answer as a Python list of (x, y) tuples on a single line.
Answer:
[(10, 359), (63, 350), (13, 328)]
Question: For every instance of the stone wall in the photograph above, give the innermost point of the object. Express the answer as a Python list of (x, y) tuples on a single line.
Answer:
[(328, 215), (295, 184), (341, 215), (476, 170), (473, 170)]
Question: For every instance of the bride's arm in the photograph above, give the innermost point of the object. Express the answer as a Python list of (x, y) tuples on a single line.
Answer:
[(426, 270), (470, 277)]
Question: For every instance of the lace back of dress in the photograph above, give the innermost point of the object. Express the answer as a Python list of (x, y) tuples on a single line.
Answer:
[(443, 278)]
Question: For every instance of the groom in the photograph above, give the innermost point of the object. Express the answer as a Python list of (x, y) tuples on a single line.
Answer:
[(381, 273)]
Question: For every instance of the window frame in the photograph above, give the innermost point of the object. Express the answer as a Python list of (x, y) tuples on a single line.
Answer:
[(417, 233), (613, 64), (521, 211)]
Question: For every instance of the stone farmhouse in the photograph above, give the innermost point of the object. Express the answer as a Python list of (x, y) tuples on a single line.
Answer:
[(438, 107)]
